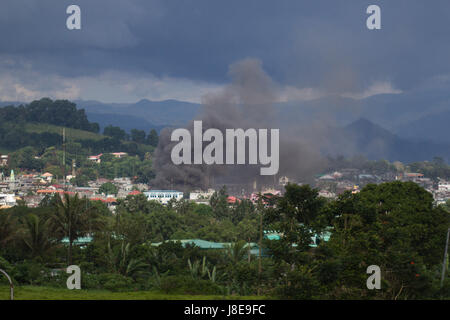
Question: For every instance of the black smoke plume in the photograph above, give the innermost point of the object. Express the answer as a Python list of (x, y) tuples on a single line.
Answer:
[(247, 102)]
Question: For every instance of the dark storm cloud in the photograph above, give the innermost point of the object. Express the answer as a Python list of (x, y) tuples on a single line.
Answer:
[(303, 43)]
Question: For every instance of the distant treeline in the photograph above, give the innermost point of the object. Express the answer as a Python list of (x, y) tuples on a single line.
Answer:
[(13, 136), (65, 114), (434, 169), (59, 112)]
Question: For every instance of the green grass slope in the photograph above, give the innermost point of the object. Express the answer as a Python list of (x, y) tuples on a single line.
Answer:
[(47, 293), (71, 134)]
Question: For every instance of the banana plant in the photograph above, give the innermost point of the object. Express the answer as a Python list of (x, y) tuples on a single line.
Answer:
[(212, 275), (201, 271), (120, 261), (157, 277)]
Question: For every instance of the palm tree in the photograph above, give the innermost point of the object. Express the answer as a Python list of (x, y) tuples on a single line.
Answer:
[(236, 251), (36, 235), (121, 262), (74, 218), (7, 229)]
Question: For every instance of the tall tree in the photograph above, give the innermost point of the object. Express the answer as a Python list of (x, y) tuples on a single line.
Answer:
[(395, 226), (73, 218), (120, 260), (294, 216), (236, 252), (8, 229), (152, 138), (219, 203), (114, 132), (36, 235), (108, 188), (138, 136)]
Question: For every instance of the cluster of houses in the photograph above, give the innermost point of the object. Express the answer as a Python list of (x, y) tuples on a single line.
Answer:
[(442, 192), (32, 188), (334, 183), (97, 158)]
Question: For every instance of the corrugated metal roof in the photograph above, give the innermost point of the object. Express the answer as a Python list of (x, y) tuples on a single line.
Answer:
[(203, 244), (81, 240)]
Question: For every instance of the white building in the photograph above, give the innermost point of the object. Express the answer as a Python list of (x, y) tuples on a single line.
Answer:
[(96, 158), (327, 194), (163, 196), (201, 196), (119, 154), (444, 186), (7, 200)]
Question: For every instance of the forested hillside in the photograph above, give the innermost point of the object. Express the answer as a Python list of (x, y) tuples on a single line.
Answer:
[(59, 112), (32, 136)]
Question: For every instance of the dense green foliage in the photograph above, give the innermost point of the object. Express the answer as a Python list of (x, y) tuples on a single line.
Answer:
[(36, 128), (392, 225), (50, 159), (360, 162), (52, 293), (433, 169), (437, 168), (13, 136), (108, 188), (152, 138), (59, 112)]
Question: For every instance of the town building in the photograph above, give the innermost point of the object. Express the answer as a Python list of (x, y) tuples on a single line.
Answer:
[(163, 196), (4, 160), (200, 196), (95, 158), (119, 154), (7, 200)]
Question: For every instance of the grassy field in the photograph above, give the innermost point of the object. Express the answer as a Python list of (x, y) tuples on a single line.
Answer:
[(71, 134), (46, 293)]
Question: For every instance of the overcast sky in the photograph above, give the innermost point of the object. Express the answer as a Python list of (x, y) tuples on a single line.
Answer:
[(128, 50)]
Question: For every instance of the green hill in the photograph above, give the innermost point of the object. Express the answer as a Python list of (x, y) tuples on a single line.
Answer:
[(15, 136), (71, 134)]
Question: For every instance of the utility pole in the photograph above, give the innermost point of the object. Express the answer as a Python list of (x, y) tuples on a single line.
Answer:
[(64, 158), (73, 167), (260, 209), (249, 250), (444, 263)]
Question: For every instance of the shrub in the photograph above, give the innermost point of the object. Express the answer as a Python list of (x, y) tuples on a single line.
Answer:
[(187, 285), (28, 272), (90, 281), (7, 267), (115, 282), (300, 284)]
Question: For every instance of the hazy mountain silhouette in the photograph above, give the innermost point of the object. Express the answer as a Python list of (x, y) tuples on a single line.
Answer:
[(157, 113), (408, 127), (434, 127), (375, 142)]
